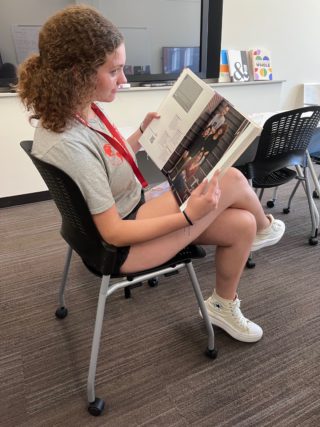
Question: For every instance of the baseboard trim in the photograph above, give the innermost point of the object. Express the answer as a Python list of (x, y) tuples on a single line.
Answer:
[(22, 199)]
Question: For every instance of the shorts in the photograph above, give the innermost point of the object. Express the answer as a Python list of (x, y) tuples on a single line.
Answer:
[(123, 251)]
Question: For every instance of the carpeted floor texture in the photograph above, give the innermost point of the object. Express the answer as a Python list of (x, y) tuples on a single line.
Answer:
[(152, 370)]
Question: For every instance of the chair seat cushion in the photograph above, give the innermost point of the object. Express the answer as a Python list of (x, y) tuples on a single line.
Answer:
[(188, 253), (279, 177)]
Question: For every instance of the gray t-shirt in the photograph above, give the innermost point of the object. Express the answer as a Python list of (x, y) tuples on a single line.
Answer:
[(102, 174)]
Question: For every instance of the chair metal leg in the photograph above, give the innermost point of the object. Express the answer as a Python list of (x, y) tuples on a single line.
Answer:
[(293, 192), (314, 176), (211, 351), (64, 277), (62, 311), (250, 263), (303, 178), (271, 203), (314, 214), (96, 405), (261, 193), (312, 208)]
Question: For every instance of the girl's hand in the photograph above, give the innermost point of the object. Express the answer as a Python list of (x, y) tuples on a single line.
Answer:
[(148, 119), (133, 139), (204, 198)]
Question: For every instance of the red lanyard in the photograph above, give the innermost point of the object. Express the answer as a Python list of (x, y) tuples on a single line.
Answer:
[(116, 141)]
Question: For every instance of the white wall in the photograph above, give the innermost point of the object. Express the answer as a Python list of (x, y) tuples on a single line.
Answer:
[(289, 28)]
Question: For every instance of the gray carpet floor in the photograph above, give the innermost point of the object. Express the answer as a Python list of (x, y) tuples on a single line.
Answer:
[(152, 370)]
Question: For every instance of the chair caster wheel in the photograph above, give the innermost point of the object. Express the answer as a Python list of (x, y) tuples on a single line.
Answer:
[(61, 312), (315, 195), (250, 263), (127, 292), (286, 210), (313, 241), (153, 282), (212, 353), (95, 408), (270, 204)]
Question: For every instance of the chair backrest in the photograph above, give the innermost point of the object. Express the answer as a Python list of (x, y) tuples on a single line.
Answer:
[(284, 139), (77, 228)]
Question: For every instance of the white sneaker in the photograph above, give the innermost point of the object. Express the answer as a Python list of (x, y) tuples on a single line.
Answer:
[(270, 235), (227, 315)]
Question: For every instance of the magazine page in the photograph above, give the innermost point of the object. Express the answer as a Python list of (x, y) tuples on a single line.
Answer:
[(198, 132), (217, 145), (187, 99), (205, 120)]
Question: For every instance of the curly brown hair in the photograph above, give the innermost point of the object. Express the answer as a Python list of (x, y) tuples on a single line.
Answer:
[(59, 81)]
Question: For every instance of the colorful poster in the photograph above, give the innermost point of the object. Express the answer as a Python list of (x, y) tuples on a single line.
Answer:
[(224, 75), (238, 65), (261, 64)]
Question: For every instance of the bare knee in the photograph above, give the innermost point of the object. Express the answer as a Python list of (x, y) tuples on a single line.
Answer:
[(233, 227), (236, 191), (246, 226), (234, 177)]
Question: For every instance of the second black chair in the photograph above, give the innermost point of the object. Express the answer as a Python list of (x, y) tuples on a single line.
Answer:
[(282, 145)]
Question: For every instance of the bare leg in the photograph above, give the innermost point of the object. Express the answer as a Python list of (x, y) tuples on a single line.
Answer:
[(237, 193), (231, 227), (233, 233)]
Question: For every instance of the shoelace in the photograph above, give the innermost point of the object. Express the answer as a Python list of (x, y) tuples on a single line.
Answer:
[(238, 316), (276, 225)]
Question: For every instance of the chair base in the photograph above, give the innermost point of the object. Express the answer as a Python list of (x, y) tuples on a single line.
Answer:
[(313, 241), (61, 312), (250, 263), (212, 354), (182, 260), (96, 408)]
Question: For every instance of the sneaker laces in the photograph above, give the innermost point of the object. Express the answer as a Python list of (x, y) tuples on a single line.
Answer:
[(276, 225), (237, 314)]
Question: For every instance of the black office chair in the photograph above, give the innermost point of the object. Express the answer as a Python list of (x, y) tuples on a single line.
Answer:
[(283, 143), (79, 231)]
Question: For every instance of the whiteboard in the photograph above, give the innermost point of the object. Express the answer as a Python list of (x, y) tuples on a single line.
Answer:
[(25, 39), (137, 40)]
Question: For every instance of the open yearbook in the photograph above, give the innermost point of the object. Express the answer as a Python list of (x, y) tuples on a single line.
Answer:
[(198, 132)]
